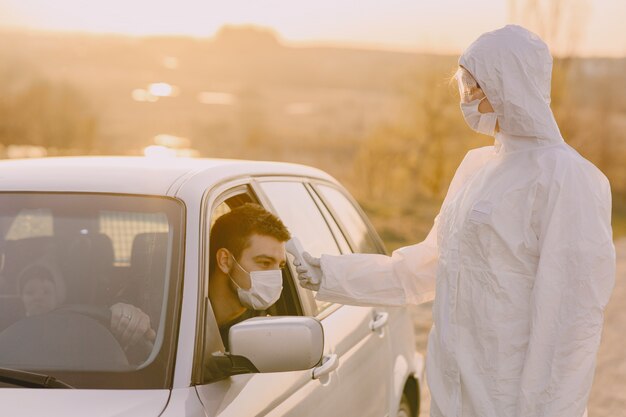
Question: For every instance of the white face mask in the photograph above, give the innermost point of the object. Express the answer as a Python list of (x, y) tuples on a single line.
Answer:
[(264, 291), (479, 122)]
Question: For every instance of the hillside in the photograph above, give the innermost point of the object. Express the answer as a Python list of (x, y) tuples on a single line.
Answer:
[(241, 79), (246, 94)]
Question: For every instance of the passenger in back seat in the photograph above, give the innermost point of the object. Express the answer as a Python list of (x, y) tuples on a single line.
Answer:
[(39, 291), (42, 290), (48, 272)]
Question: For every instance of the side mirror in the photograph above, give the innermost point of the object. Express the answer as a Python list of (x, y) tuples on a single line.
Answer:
[(277, 344)]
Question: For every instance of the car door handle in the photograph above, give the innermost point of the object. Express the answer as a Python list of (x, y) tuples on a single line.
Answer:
[(329, 364), (379, 321)]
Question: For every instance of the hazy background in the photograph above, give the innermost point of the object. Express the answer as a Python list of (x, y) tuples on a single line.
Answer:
[(360, 89)]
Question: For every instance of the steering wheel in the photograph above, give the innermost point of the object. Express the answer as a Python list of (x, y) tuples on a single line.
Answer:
[(101, 314), (136, 354), (68, 338)]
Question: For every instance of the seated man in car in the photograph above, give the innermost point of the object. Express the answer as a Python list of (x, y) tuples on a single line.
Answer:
[(247, 254)]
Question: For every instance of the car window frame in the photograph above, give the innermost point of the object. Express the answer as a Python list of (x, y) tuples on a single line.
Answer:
[(331, 216), (208, 342), (311, 307), (307, 302), (335, 229), (206, 326), (382, 250)]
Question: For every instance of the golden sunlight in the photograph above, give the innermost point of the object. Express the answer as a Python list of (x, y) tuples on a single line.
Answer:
[(444, 26)]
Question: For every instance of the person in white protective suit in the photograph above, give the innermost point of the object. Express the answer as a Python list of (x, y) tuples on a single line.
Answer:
[(520, 260)]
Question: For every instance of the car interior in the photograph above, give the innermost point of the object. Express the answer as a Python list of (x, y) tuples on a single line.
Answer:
[(95, 262)]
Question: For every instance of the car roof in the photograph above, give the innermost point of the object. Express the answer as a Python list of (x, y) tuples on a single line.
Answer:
[(134, 175)]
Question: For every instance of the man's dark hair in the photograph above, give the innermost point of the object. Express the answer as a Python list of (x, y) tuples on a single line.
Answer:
[(233, 230)]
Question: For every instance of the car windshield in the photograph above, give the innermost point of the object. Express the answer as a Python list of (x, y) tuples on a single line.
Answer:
[(89, 285)]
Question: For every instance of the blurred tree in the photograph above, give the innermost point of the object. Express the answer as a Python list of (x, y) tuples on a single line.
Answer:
[(245, 38), (561, 24), (585, 120), (601, 117), (253, 122), (438, 131), (384, 164), (416, 156), (48, 115)]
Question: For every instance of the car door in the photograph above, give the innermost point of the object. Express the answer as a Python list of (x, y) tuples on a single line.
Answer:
[(274, 394), (355, 337), (362, 237)]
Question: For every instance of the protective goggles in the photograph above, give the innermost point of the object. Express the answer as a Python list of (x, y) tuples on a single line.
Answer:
[(469, 90)]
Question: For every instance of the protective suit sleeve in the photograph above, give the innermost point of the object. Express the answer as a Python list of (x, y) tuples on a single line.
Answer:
[(574, 279), (405, 277)]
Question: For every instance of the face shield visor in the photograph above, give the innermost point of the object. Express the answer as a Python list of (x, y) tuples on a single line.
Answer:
[(469, 90)]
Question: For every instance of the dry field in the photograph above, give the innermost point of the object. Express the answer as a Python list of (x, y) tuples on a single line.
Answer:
[(608, 395)]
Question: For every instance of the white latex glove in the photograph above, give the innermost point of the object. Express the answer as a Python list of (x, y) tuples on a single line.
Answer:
[(310, 274), (130, 324)]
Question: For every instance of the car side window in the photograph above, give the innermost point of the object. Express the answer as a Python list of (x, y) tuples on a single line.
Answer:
[(355, 228), (296, 208), (332, 223)]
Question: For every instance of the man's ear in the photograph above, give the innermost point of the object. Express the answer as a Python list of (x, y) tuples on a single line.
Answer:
[(223, 259)]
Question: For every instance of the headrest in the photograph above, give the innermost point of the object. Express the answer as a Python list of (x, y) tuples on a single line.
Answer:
[(148, 246)]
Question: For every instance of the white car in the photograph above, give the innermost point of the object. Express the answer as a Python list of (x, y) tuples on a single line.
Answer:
[(136, 230)]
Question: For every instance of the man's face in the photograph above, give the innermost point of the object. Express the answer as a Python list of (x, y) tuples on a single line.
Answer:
[(263, 253)]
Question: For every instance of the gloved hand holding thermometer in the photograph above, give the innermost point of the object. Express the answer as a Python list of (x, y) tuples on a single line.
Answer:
[(307, 266)]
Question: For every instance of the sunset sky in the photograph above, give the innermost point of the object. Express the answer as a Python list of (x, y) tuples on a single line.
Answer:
[(443, 26)]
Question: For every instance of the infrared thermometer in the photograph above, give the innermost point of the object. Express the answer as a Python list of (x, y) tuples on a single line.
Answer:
[(294, 247)]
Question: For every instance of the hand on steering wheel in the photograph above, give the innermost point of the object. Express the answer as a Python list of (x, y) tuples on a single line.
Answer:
[(130, 325)]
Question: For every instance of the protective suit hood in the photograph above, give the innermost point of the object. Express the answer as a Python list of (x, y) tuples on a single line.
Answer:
[(513, 66)]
